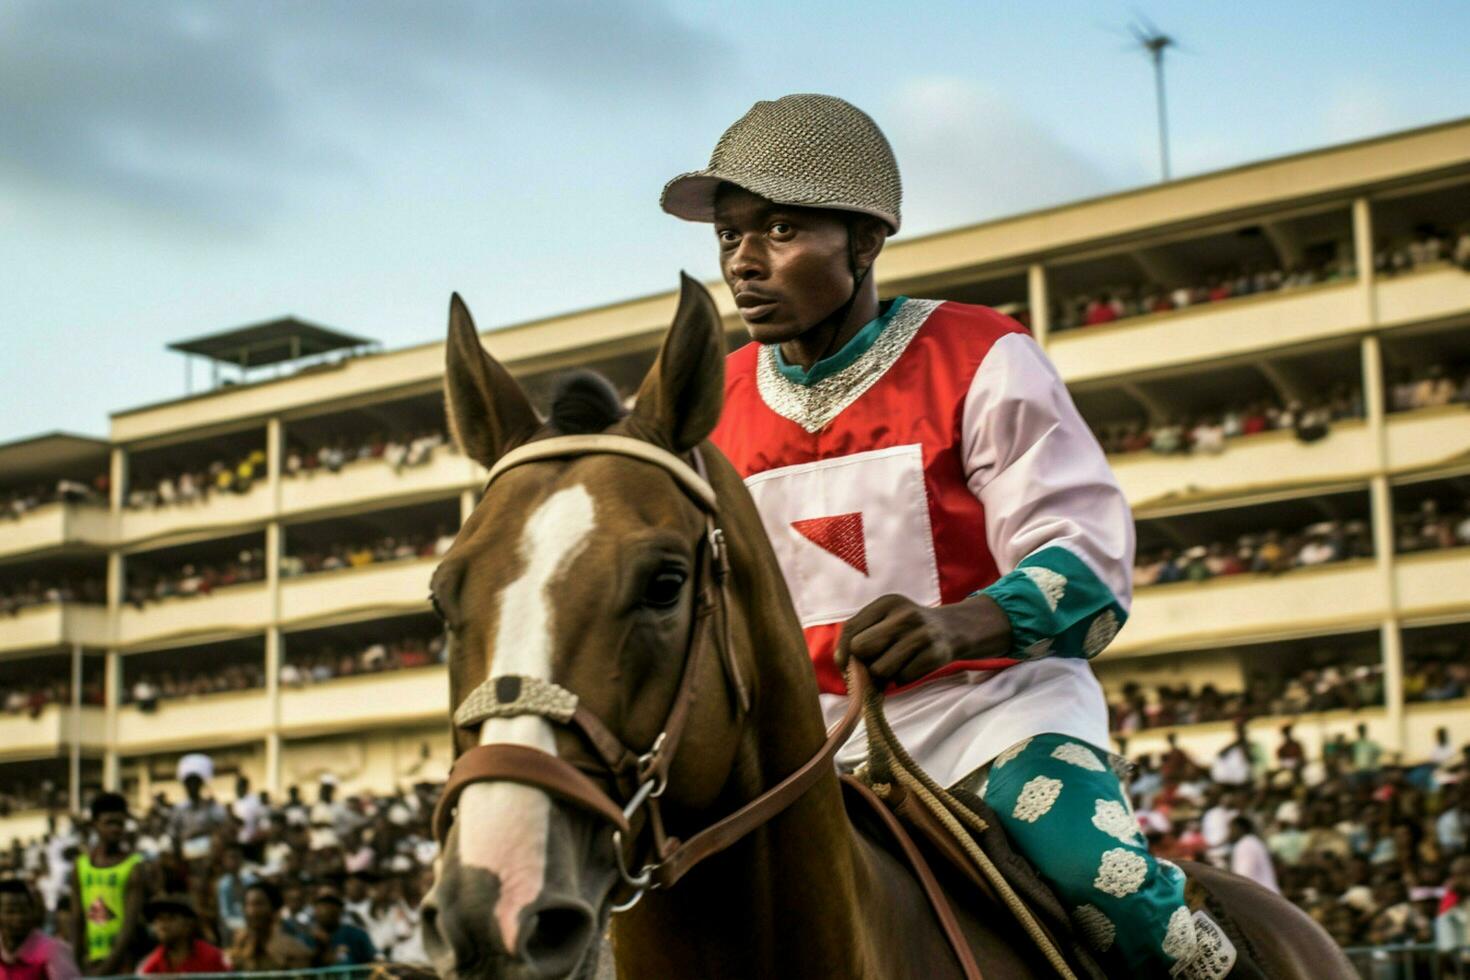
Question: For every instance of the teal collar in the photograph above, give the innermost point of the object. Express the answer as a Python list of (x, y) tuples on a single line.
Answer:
[(850, 351)]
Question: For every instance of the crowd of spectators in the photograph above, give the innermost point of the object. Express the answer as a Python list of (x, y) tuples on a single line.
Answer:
[(1374, 850), (1208, 433), (1429, 247), (1372, 847), (1130, 300), (1442, 675), (196, 579), (401, 451), (1270, 552), (330, 663), (16, 502), (148, 687), (1314, 689), (15, 596), (342, 876), (1429, 387), (32, 695), (1430, 529), (388, 548), (194, 486)]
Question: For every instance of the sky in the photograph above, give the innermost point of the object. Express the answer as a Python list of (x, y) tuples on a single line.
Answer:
[(170, 168)]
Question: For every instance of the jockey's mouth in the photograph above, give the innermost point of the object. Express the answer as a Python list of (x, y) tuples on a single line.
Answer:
[(755, 305)]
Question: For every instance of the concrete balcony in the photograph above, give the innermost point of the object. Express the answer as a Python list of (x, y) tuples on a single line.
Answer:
[(224, 612), (1428, 437), (1250, 608), (375, 481), (194, 722), (377, 589), (49, 734), (55, 526), (58, 624), (221, 513), (1433, 583), (1208, 332), (1434, 293), (23, 826), (1268, 461), (368, 701)]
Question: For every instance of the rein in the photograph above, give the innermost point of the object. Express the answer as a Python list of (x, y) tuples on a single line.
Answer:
[(641, 777)]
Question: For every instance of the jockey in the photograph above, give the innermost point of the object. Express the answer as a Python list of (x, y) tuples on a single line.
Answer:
[(940, 511)]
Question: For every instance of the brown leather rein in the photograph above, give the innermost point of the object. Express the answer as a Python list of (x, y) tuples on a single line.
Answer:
[(641, 777)]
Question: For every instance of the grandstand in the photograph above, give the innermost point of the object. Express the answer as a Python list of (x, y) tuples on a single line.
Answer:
[(245, 570)]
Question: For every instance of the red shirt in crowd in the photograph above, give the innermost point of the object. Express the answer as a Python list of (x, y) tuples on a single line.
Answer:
[(202, 958)]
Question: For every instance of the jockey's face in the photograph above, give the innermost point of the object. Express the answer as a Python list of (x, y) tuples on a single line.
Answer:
[(787, 267)]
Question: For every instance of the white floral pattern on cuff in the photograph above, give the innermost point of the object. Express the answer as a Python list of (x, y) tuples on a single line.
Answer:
[(1121, 872), (1036, 798)]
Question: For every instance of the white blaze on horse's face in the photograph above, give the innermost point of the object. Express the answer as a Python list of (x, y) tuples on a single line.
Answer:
[(503, 826)]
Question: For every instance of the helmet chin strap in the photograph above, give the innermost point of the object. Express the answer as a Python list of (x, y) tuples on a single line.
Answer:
[(839, 316)]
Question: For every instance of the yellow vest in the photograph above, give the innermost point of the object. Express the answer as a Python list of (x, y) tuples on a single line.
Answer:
[(103, 898)]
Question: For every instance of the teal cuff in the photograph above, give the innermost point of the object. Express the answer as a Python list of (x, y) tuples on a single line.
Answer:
[(1057, 607)]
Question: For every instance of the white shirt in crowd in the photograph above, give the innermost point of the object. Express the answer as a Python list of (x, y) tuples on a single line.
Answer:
[(1250, 859)]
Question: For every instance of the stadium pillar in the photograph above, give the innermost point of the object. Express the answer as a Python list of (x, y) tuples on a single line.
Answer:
[(1040, 306), (74, 766), (1380, 498), (1363, 256), (112, 677), (117, 478), (112, 685), (273, 449), (275, 546), (273, 658)]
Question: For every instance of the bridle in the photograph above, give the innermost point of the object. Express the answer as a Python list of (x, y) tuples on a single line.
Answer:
[(641, 776)]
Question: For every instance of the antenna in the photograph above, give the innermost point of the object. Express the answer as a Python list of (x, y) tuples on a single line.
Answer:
[(1155, 42)]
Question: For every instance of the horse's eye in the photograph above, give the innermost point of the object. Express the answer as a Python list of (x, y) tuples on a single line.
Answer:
[(664, 589), (438, 609)]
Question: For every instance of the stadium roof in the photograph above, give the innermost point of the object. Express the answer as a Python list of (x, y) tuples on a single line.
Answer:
[(271, 342), (51, 453)]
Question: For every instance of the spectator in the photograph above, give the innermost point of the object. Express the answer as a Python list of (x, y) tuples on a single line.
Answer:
[(1249, 856), (1366, 755), (194, 820), (176, 923), (335, 942), (27, 953), (1290, 755), (264, 943), (108, 887)]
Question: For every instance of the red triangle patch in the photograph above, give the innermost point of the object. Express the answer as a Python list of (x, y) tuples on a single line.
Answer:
[(841, 535)]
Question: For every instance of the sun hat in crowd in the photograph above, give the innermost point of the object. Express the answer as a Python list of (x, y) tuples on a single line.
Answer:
[(196, 764), (814, 151)]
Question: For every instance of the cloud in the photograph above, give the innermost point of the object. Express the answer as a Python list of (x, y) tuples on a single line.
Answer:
[(215, 111), (966, 156)]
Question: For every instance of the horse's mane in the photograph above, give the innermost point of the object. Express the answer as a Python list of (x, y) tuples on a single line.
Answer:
[(583, 402)]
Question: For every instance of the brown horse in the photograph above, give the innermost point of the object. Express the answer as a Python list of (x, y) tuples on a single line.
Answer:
[(589, 591)]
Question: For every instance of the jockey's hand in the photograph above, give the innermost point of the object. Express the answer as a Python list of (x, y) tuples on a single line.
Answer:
[(902, 641)]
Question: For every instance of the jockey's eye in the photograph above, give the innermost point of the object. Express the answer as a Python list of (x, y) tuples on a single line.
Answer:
[(727, 237), (664, 589), (782, 230)]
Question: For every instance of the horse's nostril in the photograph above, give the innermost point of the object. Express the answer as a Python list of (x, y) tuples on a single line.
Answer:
[(557, 937)]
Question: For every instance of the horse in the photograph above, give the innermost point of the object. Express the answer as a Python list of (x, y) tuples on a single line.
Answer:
[(636, 723)]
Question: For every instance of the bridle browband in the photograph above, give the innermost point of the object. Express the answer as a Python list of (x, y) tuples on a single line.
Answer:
[(641, 777)]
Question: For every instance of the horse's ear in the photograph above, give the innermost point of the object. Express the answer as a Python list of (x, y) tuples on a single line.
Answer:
[(489, 414), (679, 401)]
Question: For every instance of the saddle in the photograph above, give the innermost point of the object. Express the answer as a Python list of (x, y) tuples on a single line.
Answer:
[(929, 827)]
